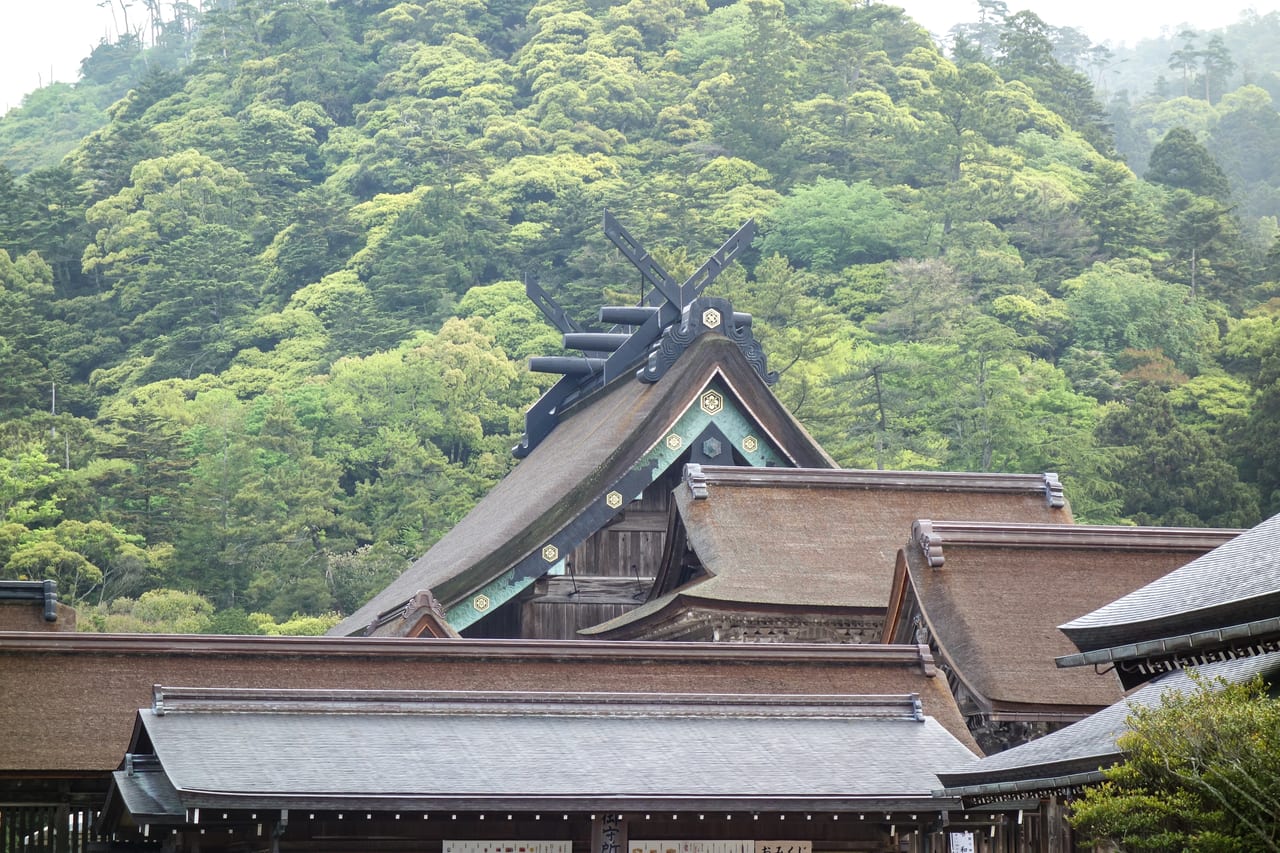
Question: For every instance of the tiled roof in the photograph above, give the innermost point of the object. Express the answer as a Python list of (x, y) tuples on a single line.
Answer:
[(146, 792), (1234, 584), (823, 538), (1090, 744), (65, 727), (593, 444), (992, 596), (308, 748)]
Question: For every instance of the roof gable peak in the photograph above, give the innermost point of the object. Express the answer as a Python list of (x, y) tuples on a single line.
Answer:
[(650, 336)]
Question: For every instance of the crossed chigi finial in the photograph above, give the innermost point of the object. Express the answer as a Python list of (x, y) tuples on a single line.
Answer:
[(636, 330)]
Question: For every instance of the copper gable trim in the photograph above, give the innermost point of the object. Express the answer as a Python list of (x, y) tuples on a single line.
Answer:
[(931, 536)]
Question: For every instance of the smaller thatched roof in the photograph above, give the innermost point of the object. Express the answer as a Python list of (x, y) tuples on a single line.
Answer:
[(805, 539), (992, 595)]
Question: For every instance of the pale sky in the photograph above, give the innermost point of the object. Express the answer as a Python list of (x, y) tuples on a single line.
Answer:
[(44, 40), (1116, 21)]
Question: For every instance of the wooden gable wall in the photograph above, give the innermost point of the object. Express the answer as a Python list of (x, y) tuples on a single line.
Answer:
[(613, 569)]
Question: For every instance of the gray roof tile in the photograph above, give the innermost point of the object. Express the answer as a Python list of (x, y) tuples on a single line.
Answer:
[(1236, 583), (147, 793), (639, 752), (1091, 743)]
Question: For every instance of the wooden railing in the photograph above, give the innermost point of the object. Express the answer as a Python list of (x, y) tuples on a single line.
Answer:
[(46, 828)]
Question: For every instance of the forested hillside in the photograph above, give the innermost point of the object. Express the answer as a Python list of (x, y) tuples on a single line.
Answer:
[(1218, 85), (263, 336)]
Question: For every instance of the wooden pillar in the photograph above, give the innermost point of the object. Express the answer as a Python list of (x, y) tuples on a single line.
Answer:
[(61, 829)]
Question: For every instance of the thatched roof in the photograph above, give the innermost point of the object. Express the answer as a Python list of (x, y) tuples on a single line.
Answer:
[(73, 697), (805, 539), (992, 595), (594, 444)]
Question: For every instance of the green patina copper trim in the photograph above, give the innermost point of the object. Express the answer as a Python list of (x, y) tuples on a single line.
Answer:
[(714, 405), (747, 437)]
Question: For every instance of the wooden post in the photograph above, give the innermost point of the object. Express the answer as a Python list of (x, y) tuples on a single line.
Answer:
[(61, 829)]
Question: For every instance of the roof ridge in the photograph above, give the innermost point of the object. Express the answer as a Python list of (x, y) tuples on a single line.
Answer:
[(651, 335), (464, 648), (221, 700), (932, 534), (859, 478)]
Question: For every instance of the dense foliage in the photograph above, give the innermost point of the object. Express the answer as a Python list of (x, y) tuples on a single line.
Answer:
[(262, 334), (1201, 772)]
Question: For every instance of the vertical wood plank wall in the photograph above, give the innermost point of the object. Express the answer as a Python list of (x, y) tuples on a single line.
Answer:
[(629, 548)]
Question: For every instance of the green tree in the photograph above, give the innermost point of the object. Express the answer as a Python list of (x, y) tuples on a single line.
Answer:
[(1242, 142), (319, 240), (518, 326), (1204, 243), (1003, 410), (788, 318), (435, 252), (40, 557), (1179, 161), (157, 611), (1252, 348), (1026, 53), (37, 542), (984, 34), (28, 486), (359, 575), (1218, 67), (51, 209), (306, 51), (51, 121), (886, 423), (1186, 59), (1201, 772), (124, 564), (923, 300), (209, 546), (749, 71), (1122, 304), (26, 290), (830, 225), (1176, 475), (173, 247), (1112, 205)]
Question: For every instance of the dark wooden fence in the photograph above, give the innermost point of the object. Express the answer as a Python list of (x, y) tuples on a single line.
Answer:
[(46, 829)]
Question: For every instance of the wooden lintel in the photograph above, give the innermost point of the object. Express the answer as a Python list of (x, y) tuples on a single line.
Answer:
[(594, 590), (635, 521)]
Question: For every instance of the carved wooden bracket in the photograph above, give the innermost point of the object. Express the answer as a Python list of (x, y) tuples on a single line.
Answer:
[(696, 481), (930, 542), (1053, 492)]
